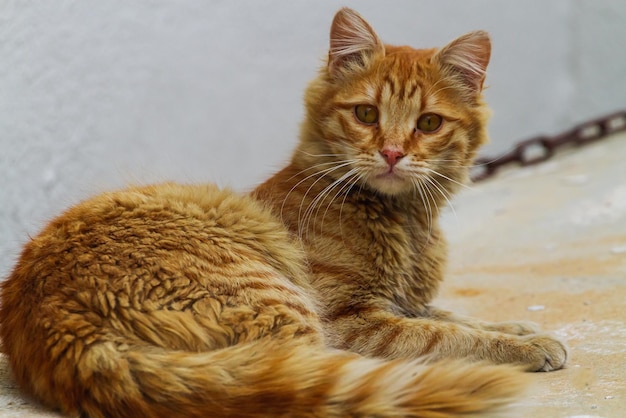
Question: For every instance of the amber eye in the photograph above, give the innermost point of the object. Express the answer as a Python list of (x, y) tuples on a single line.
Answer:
[(429, 122), (366, 113)]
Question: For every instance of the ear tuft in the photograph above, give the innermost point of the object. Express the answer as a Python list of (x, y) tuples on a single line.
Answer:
[(352, 42), (469, 56)]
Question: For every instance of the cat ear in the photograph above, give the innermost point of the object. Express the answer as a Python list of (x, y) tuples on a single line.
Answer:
[(468, 56), (352, 42)]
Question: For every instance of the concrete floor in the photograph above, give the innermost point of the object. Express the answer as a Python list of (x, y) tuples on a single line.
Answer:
[(545, 243), (548, 244)]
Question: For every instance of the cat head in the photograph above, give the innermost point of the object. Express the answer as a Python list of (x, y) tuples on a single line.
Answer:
[(395, 119)]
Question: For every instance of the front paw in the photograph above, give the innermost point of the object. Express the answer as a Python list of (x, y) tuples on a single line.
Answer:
[(542, 353), (514, 327)]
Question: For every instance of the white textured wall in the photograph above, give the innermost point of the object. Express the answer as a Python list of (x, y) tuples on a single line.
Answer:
[(98, 93)]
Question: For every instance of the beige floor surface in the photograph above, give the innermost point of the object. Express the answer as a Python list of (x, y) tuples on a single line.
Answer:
[(548, 244), (544, 243)]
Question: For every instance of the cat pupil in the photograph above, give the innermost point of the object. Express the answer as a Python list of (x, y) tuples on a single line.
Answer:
[(366, 114), (429, 123)]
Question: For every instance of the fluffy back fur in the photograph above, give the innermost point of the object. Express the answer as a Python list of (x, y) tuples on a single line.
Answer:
[(174, 300)]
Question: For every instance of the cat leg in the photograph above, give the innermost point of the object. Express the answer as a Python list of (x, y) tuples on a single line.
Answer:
[(506, 327), (372, 331)]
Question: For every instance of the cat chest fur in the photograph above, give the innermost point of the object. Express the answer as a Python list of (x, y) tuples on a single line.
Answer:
[(391, 259), (379, 251)]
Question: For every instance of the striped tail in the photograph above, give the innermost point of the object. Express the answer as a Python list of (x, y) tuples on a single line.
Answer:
[(262, 379)]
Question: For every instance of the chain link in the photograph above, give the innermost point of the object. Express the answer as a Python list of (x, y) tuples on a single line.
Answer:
[(542, 148)]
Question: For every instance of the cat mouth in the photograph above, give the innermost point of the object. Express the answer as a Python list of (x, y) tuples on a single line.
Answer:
[(389, 173), (390, 177)]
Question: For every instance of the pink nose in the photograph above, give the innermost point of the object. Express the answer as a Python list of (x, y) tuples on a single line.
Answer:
[(391, 156)]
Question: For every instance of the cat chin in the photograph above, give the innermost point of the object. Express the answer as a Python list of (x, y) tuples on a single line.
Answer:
[(389, 184)]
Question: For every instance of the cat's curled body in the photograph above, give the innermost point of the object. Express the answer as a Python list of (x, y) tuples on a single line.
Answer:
[(172, 300)]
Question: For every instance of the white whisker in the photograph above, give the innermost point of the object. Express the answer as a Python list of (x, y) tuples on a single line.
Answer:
[(311, 213), (359, 177), (443, 194), (425, 203), (322, 173), (430, 170)]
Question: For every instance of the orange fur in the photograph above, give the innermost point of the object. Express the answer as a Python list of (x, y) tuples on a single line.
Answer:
[(172, 300)]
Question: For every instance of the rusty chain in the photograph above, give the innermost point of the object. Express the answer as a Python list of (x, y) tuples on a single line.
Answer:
[(542, 148)]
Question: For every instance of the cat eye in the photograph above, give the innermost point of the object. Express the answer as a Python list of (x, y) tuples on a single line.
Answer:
[(367, 114), (429, 122)]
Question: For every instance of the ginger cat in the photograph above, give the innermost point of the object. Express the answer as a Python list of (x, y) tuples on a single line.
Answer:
[(308, 298)]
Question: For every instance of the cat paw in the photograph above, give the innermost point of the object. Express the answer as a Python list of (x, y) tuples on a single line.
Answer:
[(514, 327), (543, 353)]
